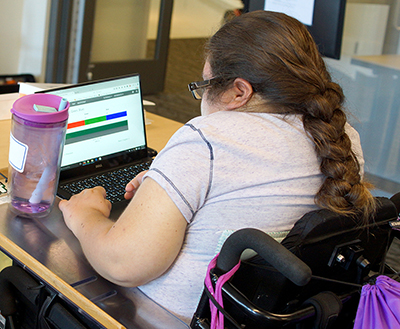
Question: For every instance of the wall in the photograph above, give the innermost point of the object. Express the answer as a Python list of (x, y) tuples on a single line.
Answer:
[(364, 29), (23, 36), (10, 35)]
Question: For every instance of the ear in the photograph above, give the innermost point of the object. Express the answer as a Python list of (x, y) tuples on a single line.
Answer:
[(238, 95)]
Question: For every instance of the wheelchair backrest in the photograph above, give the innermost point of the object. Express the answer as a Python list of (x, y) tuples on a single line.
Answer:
[(341, 247)]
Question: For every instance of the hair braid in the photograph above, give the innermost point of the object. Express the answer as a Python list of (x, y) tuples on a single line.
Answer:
[(342, 190)]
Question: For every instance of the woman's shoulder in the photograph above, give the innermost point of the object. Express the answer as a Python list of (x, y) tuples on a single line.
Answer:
[(231, 125), (234, 118)]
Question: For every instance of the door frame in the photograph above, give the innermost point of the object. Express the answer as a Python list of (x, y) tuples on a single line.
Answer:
[(70, 38)]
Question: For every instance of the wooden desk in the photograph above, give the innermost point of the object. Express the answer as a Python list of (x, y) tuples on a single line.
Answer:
[(48, 250)]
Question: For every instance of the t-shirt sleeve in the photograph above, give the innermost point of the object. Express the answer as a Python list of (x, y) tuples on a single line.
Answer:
[(184, 169), (356, 146)]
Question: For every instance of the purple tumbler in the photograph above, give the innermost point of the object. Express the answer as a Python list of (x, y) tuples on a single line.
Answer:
[(38, 127)]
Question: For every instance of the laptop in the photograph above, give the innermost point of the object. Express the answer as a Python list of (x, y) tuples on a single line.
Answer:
[(105, 141)]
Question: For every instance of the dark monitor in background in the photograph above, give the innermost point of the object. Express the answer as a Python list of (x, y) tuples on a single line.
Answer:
[(326, 26)]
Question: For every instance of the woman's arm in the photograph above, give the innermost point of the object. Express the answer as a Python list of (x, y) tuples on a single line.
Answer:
[(140, 246)]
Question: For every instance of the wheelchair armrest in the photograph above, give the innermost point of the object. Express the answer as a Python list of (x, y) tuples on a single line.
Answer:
[(396, 200), (269, 249)]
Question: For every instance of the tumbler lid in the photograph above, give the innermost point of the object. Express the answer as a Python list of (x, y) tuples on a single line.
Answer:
[(24, 108)]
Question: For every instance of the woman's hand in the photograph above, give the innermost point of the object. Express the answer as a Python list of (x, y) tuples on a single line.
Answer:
[(83, 205), (133, 185)]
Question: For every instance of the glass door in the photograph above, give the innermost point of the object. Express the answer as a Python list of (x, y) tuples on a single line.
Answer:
[(96, 39)]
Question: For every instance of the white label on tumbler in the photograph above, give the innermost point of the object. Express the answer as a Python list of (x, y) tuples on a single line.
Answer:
[(17, 155)]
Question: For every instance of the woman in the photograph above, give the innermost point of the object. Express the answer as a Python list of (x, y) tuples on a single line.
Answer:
[(272, 144)]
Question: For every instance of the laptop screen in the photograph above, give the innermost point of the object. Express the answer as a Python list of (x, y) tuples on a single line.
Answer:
[(105, 124)]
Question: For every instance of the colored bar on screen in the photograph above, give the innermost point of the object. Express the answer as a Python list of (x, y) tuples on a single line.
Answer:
[(116, 115), (75, 124), (95, 120)]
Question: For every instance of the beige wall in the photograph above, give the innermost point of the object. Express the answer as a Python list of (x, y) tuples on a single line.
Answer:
[(22, 36)]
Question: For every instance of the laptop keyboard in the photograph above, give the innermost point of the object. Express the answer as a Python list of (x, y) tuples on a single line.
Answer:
[(114, 181)]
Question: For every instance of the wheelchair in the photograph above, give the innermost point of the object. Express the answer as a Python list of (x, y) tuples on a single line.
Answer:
[(313, 279)]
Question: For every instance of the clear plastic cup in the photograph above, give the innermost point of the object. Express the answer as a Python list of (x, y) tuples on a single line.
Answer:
[(38, 128)]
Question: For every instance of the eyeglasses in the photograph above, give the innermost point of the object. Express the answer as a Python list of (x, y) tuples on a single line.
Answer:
[(198, 88)]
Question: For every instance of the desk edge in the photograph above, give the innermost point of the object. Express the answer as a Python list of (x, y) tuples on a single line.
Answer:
[(58, 284)]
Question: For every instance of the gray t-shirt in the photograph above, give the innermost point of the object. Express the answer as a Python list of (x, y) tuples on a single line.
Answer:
[(227, 171)]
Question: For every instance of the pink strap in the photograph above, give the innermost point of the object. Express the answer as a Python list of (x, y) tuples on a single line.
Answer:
[(217, 319)]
